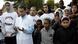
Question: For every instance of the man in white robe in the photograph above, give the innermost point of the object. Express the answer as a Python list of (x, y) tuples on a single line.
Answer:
[(25, 26), (33, 17)]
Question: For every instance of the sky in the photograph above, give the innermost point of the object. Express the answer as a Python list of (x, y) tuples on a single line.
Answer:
[(1, 3), (66, 2)]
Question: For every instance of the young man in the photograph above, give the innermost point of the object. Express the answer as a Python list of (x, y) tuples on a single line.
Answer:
[(36, 33), (61, 8), (24, 27), (47, 33), (46, 13), (64, 34), (9, 18), (33, 16)]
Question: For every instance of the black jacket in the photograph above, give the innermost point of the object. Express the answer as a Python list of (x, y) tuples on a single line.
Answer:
[(64, 36), (36, 37)]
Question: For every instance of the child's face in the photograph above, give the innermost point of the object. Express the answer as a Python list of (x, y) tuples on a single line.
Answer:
[(57, 17), (39, 24), (46, 24), (65, 23)]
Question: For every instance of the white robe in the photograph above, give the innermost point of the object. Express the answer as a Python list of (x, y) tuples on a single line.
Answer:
[(27, 22), (48, 15), (33, 19)]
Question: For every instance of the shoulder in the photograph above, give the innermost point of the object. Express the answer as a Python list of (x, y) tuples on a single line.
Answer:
[(42, 29)]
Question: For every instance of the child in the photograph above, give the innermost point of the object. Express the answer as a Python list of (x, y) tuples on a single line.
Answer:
[(65, 34), (56, 18), (47, 32), (36, 34)]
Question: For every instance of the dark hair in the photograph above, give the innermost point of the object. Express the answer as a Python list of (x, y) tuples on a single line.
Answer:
[(48, 20), (7, 3), (65, 19), (35, 26), (76, 6), (39, 21), (22, 6), (45, 4), (56, 14), (49, 8)]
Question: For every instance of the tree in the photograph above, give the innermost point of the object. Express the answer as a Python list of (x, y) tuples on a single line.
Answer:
[(29, 3), (10, 0), (51, 3), (36, 3), (56, 5)]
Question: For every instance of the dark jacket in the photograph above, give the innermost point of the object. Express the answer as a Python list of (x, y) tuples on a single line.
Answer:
[(36, 37), (56, 25), (64, 36), (74, 24)]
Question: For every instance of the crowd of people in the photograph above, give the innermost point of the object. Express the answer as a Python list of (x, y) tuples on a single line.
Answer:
[(24, 25)]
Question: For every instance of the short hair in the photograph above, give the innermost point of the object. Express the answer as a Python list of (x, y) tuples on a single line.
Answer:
[(39, 21), (22, 6), (7, 3), (65, 18), (56, 14), (48, 20), (45, 5), (74, 5)]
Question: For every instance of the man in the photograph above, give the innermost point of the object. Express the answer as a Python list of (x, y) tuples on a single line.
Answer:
[(61, 8), (24, 27), (46, 13), (9, 18), (33, 17)]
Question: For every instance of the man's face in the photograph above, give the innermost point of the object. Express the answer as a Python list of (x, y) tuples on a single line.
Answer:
[(33, 11), (7, 6), (21, 11), (65, 23), (74, 8), (45, 8)]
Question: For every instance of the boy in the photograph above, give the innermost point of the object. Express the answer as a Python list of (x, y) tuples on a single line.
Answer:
[(47, 33), (37, 34), (65, 34)]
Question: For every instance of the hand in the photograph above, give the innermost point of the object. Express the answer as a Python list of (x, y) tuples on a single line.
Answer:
[(8, 34), (21, 29)]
